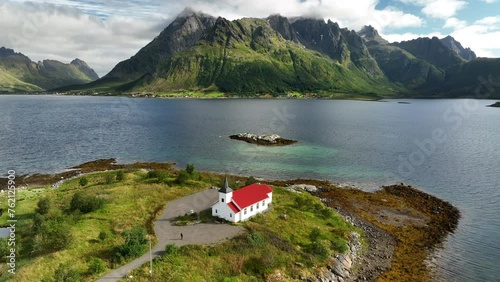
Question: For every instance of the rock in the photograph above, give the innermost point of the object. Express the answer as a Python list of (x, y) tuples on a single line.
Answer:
[(345, 261), (266, 140), (305, 187)]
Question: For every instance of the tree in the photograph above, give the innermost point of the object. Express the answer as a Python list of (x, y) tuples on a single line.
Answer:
[(43, 206), (190, 169), (135, 243), (120, 176), (182, 177), (84, 181), (85, 204)]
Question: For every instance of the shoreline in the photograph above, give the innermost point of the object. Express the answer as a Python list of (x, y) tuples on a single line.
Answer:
[(387, 217)]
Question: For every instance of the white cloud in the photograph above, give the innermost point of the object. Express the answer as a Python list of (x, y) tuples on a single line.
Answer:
[(443, 9), (489, 21), (454, 23), (395, 37), (46, 31), (103, 33), (489, 1)]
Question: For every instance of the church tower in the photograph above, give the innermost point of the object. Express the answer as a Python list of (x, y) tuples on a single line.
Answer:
[(225, 193)]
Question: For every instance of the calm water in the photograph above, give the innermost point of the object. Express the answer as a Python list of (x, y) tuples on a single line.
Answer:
[(449, 148)]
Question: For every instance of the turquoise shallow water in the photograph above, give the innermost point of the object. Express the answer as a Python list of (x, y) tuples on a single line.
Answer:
[(448, 148)]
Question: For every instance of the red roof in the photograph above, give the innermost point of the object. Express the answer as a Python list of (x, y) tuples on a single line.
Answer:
[(251, 194), (233, 207)]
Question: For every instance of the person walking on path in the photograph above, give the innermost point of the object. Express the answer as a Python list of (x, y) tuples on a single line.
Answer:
[(182, 236)]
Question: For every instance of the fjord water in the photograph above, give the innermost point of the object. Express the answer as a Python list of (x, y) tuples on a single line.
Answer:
[(449, 148)]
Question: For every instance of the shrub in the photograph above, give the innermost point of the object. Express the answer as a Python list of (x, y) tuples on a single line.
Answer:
[(96, 265), (85, 204), (160, 175), (103, 236), (52, 234), (135, 243), (43, 206), (120, 176), (65, 273), (251, 180), (4, 249), (84, 181), (190, 169), (255, 238), (171, 249), (315, 235), (255, 265), (109, 178), (182, 177)]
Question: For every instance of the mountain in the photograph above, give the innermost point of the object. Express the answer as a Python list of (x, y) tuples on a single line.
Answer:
[(466, 53), (280, 56), (19, 74)]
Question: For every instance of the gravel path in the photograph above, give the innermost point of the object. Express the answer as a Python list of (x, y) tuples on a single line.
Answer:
[(168, 234)]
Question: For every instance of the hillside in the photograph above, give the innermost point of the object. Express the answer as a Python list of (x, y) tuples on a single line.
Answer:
[(201, 54), (19, 74)]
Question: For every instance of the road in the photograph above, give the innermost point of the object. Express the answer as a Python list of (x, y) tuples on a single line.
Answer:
[(168, 234)]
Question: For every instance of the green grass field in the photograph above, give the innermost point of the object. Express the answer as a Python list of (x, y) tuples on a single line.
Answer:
[(280, 245)]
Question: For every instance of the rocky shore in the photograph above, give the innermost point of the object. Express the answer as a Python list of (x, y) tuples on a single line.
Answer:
[(264, 140), (400, 225), (496, 105)]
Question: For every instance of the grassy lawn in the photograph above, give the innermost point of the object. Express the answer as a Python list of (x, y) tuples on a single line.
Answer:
[(127, 204), (274, 248), (273, 245)]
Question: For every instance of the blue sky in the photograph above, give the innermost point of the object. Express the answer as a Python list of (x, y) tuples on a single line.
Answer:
[(104, 32)]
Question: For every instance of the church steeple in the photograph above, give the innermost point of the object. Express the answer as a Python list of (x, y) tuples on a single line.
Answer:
[(225, 187), (225, 192)]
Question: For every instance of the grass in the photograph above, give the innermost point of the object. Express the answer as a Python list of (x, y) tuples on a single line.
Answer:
[(272, 247), (128, 204), (134, 201)]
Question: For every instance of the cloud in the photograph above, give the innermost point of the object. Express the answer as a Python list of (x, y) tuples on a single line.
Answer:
[(454, 23), (481, 36), (440, 9), (105, 32), (47, 31)]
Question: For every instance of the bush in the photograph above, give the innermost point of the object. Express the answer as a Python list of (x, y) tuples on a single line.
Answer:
[(315, 235), (160, 175), (84, 181), (319, 249), (65, 273), (190, 169), (96, 265), (103, 236), (43, 206), (120, 176), (4, 249), (135, 243), (182, 177), (171, 249), (52, 234), (85, 204), (255, 238), (109, 178), (255, 265), (251, 180)]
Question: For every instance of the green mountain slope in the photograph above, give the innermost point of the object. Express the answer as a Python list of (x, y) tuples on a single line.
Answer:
[(278, 56), (19, 74)]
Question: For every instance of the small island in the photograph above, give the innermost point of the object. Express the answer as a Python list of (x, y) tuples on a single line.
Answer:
[(264, 140), (496, 105)]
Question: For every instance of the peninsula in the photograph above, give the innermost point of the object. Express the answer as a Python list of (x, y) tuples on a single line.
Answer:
[(314, 231)]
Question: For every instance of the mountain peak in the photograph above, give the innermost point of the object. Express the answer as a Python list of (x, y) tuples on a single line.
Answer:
[(190, 12), (371, 36), (78, 62), (455, 46)]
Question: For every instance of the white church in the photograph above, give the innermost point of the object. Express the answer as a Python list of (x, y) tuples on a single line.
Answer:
[(243, 203)]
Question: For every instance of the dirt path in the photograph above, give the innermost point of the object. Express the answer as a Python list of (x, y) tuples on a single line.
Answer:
[(168, 234)]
